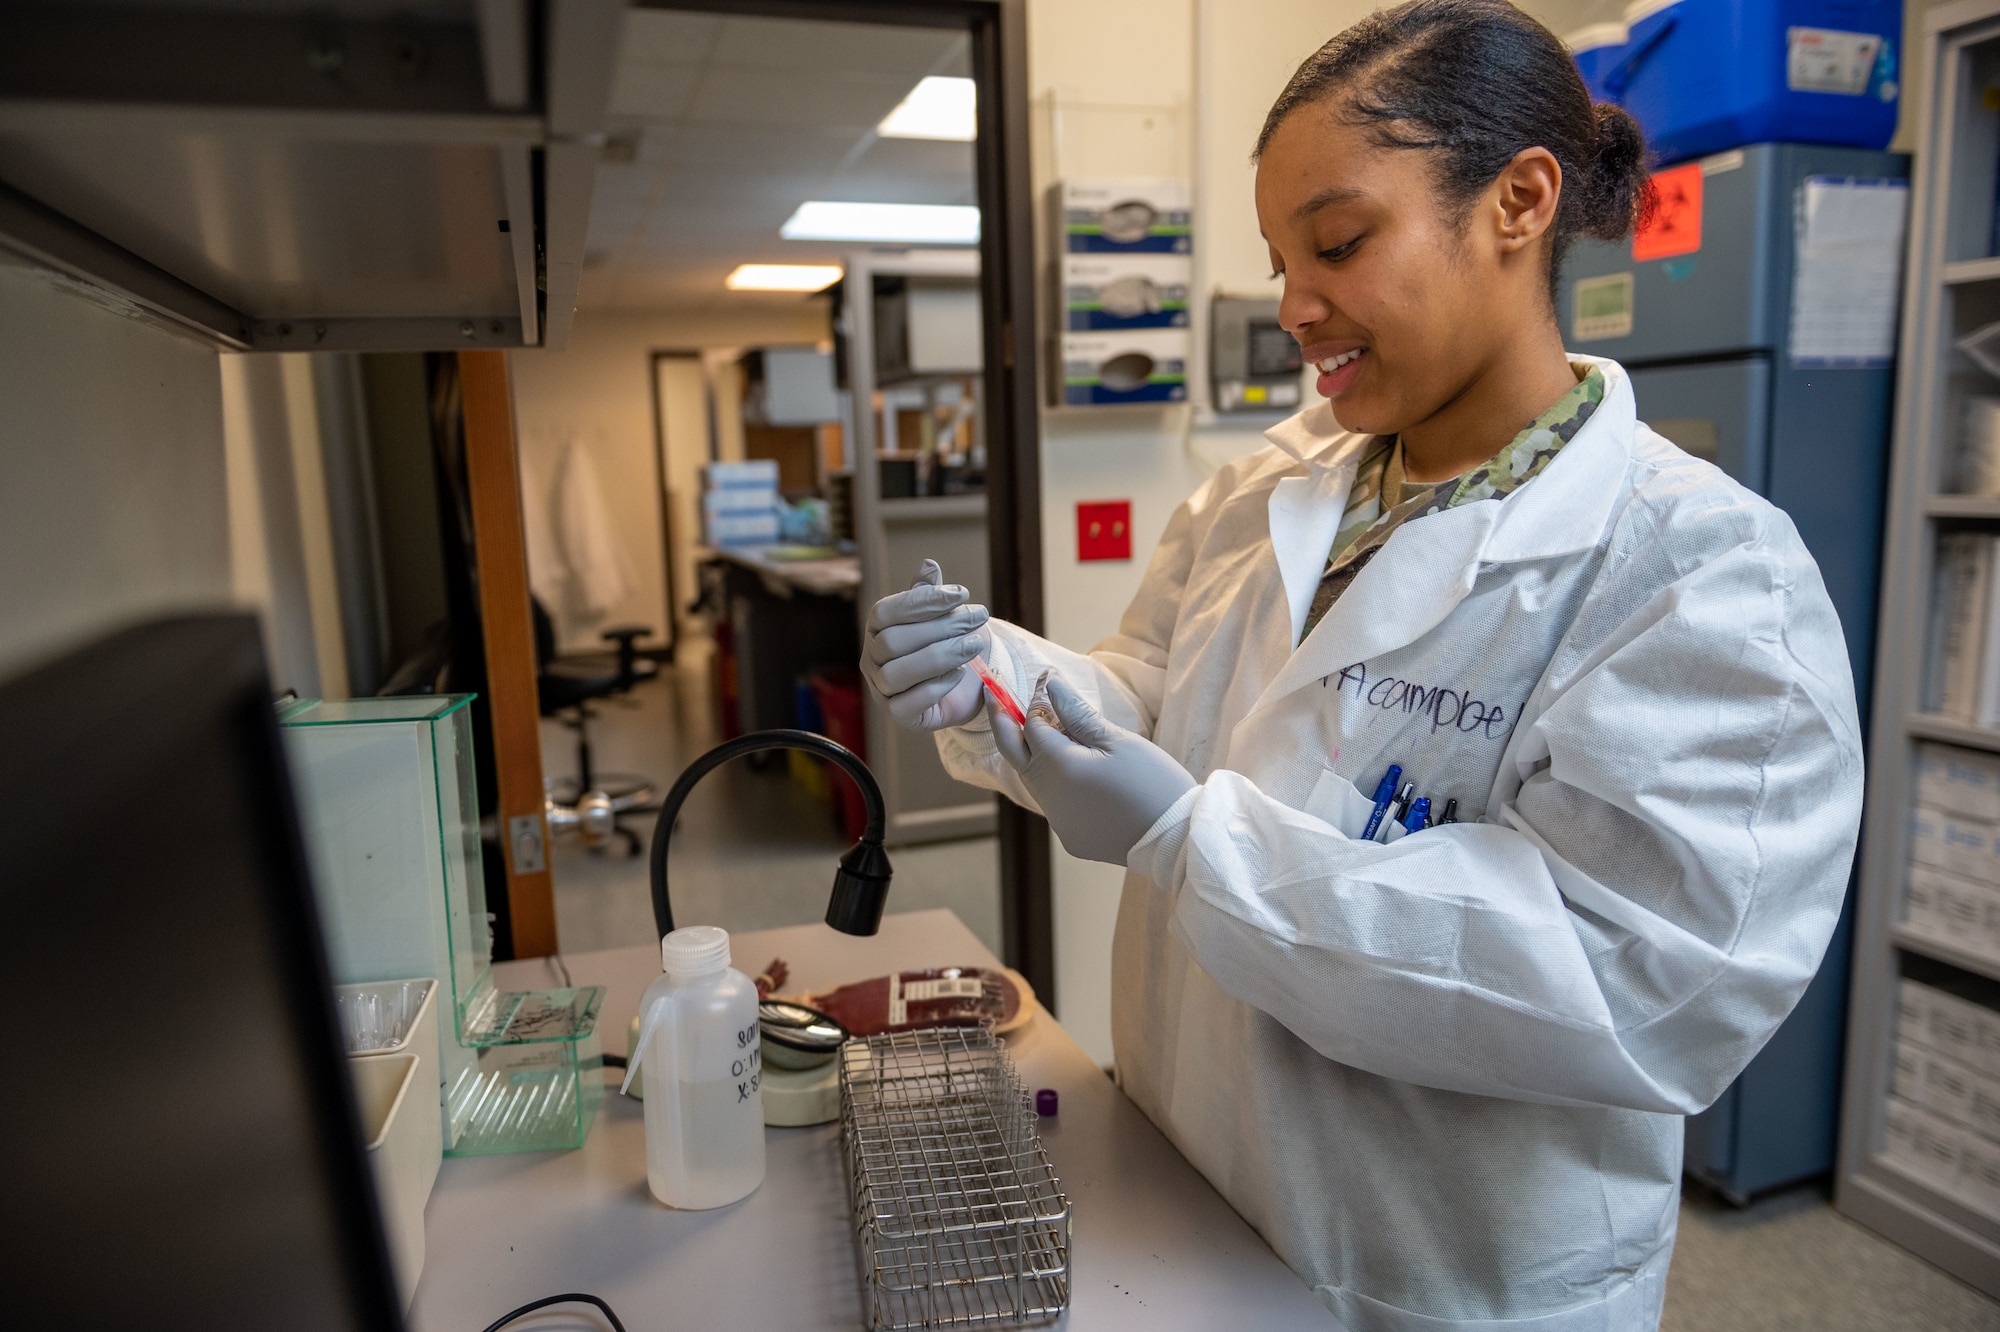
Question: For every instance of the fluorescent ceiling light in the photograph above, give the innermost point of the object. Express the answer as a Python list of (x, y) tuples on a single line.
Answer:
[(913, 224), (783, 277), (937, 108)]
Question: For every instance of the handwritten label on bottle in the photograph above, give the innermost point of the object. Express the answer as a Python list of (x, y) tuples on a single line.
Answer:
[(747, 1067)]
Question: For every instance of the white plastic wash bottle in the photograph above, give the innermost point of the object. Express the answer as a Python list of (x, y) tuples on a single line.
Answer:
[(699, 1042)]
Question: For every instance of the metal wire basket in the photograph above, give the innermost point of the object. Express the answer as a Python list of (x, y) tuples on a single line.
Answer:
[(959, 1218)]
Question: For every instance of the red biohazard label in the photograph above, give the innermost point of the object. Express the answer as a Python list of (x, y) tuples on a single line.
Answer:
[(1675, 227)]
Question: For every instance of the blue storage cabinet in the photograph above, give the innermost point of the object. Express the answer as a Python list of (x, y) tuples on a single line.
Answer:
[(1706, 340), (1704, 75)]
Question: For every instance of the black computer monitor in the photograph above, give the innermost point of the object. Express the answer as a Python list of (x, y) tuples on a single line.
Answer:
[(178, 1145)]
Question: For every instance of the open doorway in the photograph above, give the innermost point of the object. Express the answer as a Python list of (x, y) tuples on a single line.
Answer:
[(769, 462)]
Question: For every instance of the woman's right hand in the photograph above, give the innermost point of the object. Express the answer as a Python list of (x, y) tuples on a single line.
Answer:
[(915, 650)]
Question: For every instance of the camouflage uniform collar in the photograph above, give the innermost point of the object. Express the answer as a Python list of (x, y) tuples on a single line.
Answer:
[(1518, 462)]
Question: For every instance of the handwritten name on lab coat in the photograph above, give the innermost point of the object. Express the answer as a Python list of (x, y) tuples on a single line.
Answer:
[(1447, 708)]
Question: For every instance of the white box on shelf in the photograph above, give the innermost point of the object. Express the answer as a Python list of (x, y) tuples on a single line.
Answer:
[(1955, 1026), (1121, 291), (1978, 1180), (1944, 841), (798, 386), (1966, 622), (744, 530), (1958, 781), (383, 1019), (1939, 1146), (1913, 1011), (1947, 1088), (1958, 1163), (1920, 900), (1906, 1069), (403, 1139), (1961, 908), (1987, 938), (1985, 1107), (1123, 215), (943, 330), (1986, 1036), (738, 500), (1147, 365), (750, 474), (1899, 1140)]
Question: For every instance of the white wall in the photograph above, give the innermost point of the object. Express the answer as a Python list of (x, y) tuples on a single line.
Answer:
[(113, 502), (600, 391), (1207, 72), (280, 534)]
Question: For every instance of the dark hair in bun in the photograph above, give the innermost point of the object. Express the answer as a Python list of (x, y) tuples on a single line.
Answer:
[(1476, 82)]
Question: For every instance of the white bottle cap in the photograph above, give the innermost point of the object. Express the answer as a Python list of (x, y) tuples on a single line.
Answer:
[(698, 950)]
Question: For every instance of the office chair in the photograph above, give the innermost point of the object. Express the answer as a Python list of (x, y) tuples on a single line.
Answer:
[(591, 803)]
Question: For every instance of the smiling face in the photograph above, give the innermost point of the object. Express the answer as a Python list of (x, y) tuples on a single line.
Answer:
[(1402, 302)]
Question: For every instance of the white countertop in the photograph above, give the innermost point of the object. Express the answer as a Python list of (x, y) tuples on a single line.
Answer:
[(1152, 1245), (836, 575)]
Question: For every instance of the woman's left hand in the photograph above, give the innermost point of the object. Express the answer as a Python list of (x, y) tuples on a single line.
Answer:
[(1100, 786)]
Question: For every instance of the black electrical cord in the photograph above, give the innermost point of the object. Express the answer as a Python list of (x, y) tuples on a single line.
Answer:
[(573, 1298)]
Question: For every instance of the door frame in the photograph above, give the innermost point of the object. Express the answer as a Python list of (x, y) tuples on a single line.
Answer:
[(999, 57), (665, 486)]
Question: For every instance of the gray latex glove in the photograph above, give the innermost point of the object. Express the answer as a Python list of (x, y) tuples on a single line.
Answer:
[(915, 650), (1101, 786)]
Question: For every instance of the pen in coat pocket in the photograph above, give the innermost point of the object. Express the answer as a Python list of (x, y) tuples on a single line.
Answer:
[(1401, 806), (1385, 791)]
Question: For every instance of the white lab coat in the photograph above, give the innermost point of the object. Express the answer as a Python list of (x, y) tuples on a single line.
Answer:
[(1445, 1077)]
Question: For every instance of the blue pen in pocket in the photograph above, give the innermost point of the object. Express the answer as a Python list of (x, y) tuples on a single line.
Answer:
[(1419, 817), (1385, 791)]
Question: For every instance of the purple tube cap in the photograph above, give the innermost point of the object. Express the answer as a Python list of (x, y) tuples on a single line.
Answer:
[(1045, 1102)]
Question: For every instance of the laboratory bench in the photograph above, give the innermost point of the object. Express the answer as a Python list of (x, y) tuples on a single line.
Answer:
[(1153, 1245), (828, 576), (777, 621)]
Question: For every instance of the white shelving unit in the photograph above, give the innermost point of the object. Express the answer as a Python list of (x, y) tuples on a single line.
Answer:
[(1951, 287)]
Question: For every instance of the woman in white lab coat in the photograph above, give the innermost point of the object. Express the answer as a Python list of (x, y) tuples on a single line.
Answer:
[(1442, 1074)]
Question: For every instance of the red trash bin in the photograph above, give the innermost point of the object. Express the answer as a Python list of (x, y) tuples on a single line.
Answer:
[(841, 721)]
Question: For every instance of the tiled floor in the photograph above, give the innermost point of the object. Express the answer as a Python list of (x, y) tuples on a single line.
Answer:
[(1790, 1263), (754, 851)]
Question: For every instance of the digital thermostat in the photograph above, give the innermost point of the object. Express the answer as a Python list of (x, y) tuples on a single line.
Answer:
[(1253, 362)]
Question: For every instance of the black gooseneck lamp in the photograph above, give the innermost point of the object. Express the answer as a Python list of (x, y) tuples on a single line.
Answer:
[(860, 885)]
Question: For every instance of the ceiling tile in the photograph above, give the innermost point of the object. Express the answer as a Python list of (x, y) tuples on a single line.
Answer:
[(667, 37), (778, 191), (790, 44), (739, 95), (738, 122), (653, 92), (906, 171), (739, 147)]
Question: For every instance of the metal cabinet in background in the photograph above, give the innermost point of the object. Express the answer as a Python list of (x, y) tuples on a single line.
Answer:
[(930, 331), (1708, 336)]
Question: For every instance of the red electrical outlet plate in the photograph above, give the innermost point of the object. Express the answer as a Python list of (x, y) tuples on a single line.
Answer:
[(1104, 530)]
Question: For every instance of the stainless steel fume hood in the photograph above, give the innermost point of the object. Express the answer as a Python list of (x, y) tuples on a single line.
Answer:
[(311, 175)]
